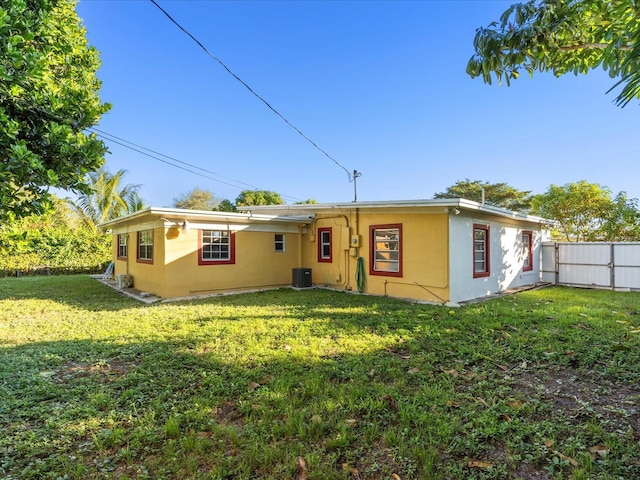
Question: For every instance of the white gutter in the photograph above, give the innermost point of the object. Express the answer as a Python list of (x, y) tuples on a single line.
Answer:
[(459, 203), (180, 214)]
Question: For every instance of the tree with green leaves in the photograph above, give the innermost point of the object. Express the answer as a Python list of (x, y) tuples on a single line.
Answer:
[(108, 198), (587, 212), (562, 36), (197, 199), (496, 194), (57, 241), (48, 99), (622, 221), (258, 197), (226, 206)]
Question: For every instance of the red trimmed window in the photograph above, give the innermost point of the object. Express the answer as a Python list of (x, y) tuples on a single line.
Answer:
[(122, 246), (325, 250), (481, 265), (385, 251), (216, 247), (145, 246), (527, 251)]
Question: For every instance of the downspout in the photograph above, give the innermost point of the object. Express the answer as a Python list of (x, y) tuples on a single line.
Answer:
[(356, 231), (126, 263), (345, 282), (300, 244)]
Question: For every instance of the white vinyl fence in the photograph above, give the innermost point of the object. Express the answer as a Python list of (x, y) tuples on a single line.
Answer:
[(592, 264)]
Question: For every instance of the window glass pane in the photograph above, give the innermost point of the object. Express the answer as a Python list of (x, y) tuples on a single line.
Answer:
[(480, 250), (279, 242), (387, 266), (324, 247), (386, 255), (145, 245), (215, 245)]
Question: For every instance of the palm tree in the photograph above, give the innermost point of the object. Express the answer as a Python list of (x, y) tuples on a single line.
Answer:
[(108, 199)]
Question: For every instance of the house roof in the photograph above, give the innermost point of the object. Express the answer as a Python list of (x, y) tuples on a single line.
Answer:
[(449, 205), (178, 215), (303, 213)]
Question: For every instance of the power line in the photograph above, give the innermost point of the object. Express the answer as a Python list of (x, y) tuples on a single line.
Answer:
[(156, 156), (104, 135), (186, 32), (133, 146)]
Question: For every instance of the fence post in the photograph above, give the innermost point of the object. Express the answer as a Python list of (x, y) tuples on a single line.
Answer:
[(612, 266), (557, 262)]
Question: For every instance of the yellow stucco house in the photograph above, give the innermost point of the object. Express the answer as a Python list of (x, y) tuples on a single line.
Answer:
[(427, 250)]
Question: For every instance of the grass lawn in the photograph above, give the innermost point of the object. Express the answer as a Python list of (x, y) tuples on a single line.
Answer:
[(316, 385)]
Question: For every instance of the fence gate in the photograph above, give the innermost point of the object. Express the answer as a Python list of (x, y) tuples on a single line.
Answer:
[(593, 264)]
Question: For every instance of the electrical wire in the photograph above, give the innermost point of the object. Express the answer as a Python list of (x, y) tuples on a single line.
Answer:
[(104, 135), (186, 32), (135, 147), (155, 155)]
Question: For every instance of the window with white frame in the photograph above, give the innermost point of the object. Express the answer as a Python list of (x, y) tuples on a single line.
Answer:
[(145, 246), (278, 242), (216, 247), (122, 245), (385, 250), (481, 265), (325, 250), (527, 251)]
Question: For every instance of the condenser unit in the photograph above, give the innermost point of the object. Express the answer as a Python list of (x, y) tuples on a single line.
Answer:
[(124, 280), (302, 277)]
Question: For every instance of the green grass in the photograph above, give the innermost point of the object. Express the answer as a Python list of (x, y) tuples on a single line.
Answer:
[(542, 384)]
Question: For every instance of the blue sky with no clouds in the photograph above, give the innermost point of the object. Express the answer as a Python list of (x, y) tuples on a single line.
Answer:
[(380, 86)]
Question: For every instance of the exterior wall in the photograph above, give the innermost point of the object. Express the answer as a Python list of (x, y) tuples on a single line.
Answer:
[(424, 252), (339, 271), (505, 256), (257, 264), (147, 277), (176, 272), (436, 251)]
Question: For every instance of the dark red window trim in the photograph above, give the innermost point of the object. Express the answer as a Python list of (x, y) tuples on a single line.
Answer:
[(148, 261), (232, 250), (530, 250), (321, 258), (118, 256), (487, 250), (372, 250)]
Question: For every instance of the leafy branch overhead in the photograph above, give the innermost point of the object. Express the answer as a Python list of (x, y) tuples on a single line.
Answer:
[(48, 98), (562, 36)]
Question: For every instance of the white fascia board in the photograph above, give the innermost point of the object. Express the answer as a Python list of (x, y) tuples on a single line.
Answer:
[(177, 215), (445, 203)]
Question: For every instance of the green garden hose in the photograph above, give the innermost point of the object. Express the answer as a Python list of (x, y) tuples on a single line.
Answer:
[(360, 278)]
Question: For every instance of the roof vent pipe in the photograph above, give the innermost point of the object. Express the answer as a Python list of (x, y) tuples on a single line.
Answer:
[(482, 195)]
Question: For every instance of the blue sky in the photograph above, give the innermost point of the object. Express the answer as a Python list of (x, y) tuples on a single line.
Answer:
[(380, 86)]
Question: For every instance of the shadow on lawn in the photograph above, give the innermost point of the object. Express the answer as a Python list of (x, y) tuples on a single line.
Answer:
[(93, 409), (81, 291), (440, 395)]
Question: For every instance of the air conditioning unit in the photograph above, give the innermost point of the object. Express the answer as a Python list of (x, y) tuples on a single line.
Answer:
[(302, 278), (124, 281)]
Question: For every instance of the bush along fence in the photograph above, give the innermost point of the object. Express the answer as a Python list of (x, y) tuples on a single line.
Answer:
[(32, 264), (54, 253)]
